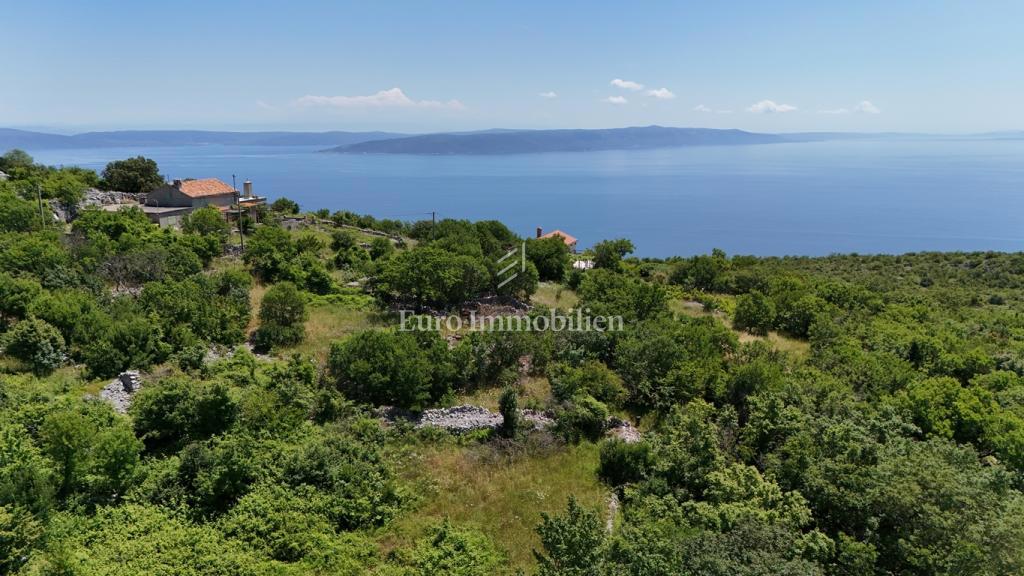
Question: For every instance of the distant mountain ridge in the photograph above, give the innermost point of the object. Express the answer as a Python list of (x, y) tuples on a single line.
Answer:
[(12, 138), (563, 140), (494, 141)]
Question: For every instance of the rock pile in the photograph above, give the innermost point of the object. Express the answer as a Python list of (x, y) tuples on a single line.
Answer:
[(119, 392), (465, 418), (460, 418), (95, 197), (623, 430)]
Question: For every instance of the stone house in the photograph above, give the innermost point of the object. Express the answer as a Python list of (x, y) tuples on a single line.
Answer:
[(570, 241)]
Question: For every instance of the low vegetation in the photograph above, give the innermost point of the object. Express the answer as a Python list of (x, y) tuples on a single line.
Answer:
[(844, 415)]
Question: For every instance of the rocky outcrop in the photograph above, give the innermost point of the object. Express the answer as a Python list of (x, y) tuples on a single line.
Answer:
[(96, 197), (465, 418), (120, 392)]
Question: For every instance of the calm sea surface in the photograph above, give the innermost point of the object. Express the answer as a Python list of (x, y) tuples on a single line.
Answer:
[(778, 199)]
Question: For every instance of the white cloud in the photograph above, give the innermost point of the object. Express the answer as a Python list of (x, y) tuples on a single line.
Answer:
[(548, 95), (661, 94), (863, 107), (627, 84), (263, 105), (701, 108), (866, 107), (616, 100), (393, 98), (769, 107)]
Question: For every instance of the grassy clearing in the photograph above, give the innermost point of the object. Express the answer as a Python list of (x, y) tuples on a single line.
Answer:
[(501, 495), (534, 392), (800, 348), (332, 320), (554, 295)]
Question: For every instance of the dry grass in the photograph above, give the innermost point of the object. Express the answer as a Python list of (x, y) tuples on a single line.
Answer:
[(554, 295), (500, 495), (255, 299), (533, 391), (329, 322)]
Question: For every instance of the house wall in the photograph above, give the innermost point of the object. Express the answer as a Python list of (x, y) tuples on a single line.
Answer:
[(167, 195), (220, 200)]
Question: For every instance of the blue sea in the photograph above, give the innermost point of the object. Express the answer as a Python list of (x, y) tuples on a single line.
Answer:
[(885, 196)]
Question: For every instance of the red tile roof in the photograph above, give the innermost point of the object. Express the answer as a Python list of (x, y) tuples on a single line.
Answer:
[(205, 187), (568, 239)]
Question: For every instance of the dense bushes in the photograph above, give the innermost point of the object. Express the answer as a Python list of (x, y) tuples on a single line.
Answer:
[(37, 344), (391, 368)]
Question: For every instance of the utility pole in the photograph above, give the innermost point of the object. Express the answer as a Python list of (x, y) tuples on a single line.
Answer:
[(238, 213), (433, 224)]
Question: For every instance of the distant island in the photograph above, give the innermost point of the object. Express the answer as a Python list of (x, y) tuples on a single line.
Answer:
[(534, 141), (12, 138), (472, 143)]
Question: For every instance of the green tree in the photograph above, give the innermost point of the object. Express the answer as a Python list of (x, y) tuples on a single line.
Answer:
[(609, 253), (755, 313), (15, 158), (550, 256), (269, 252), (137, 175), (383, 368), (283, 205), (207, 221), (282, 317)]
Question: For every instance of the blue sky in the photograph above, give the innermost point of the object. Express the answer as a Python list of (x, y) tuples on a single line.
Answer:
[(452, 65)]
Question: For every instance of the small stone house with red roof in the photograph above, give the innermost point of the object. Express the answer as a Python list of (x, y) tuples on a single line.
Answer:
[(192, 193), (169, 203), (569, 240)]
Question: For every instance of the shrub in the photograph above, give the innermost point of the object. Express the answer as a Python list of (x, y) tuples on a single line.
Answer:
[(133, 342), (36, 343), (176, 410), (342, 240), (207, 221), (582, 417), (592, 377), (19, 531), (624, 462), (455, 552), (508, 405), (381, 248)]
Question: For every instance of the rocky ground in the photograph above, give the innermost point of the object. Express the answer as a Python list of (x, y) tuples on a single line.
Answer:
[(467, 418), (120, 392)]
